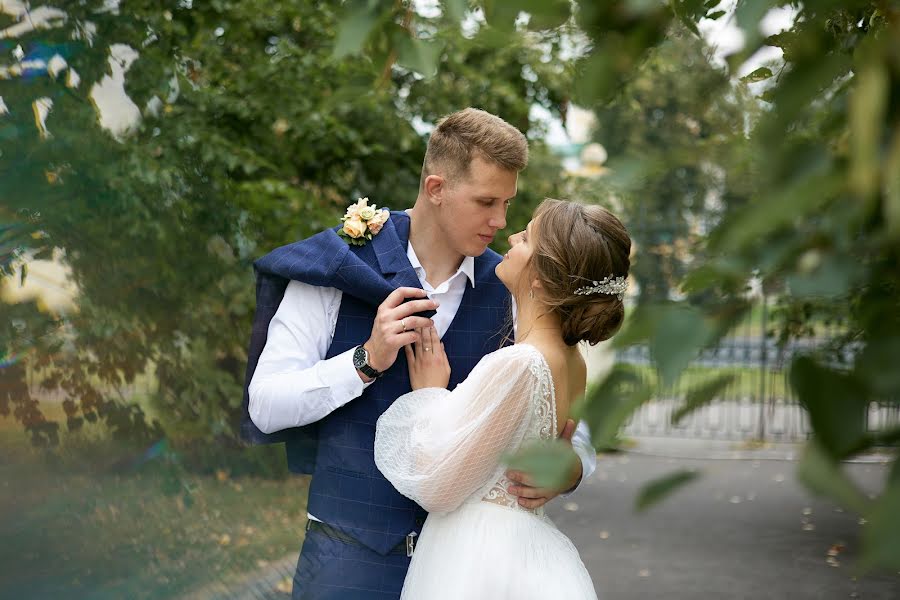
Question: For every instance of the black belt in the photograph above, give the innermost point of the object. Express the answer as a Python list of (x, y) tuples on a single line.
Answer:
[(407, 546)]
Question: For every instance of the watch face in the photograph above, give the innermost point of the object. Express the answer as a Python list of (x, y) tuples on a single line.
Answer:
[(359, 357)]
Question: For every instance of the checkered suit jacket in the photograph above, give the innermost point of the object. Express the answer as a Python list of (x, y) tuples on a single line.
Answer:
[(347, 491)]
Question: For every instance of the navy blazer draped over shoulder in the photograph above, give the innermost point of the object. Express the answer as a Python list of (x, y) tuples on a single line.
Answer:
[(347, 491)]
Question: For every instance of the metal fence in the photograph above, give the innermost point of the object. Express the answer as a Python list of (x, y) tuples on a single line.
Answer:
[(758, 404)]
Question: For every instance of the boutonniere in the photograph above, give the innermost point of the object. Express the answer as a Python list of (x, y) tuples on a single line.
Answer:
[(362, 222)]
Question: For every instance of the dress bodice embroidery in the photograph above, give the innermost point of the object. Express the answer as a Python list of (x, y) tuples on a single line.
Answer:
[(542, 426)]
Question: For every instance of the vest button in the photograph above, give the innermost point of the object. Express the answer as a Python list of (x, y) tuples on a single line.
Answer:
[(420, 521)]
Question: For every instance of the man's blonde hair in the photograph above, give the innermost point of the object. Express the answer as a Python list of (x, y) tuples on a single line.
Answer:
[(463, 135)]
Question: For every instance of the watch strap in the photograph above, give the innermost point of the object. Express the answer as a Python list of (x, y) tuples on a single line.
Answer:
[(364, 367)]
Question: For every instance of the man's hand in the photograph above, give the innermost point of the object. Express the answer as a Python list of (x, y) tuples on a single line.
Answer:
[(533, 497), (395, 327), (428, 364)]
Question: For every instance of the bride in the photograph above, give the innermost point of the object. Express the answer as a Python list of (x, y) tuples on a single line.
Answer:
[(445, 449)]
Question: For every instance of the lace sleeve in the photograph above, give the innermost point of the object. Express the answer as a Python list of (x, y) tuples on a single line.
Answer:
[(438, 447)]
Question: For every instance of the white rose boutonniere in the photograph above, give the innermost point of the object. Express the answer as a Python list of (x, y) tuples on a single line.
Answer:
[(377, 222), (362, 221)]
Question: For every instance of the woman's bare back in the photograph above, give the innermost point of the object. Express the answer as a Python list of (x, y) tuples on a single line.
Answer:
[(569, 373)]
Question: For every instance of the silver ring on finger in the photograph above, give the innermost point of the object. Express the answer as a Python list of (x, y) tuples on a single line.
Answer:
[(427, 349), (403, 323)]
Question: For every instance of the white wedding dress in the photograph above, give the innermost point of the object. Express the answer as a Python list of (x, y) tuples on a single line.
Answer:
[(445, 451)]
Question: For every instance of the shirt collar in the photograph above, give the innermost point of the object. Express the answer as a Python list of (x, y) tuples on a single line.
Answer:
[(467, 267)]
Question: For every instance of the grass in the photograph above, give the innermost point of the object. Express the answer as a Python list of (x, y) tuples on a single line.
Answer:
[(74, 527), (746, 383), (751, 326)]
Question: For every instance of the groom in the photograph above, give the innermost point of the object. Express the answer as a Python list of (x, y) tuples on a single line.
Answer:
[(325, 358)]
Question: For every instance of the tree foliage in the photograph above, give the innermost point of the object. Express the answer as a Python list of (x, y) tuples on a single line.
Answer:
[(818, 221), (675, 134), (261, 119), (253, 132)]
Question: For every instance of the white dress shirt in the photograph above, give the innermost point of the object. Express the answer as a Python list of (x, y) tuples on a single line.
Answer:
[(294, 385)]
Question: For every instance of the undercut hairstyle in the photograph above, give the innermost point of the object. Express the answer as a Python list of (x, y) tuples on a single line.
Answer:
[(461, 136)]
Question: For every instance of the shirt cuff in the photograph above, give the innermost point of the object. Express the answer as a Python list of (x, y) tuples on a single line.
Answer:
[(588, 457), (342, 378)]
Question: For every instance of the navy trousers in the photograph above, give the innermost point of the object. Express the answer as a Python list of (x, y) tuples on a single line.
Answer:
[(329, 569)]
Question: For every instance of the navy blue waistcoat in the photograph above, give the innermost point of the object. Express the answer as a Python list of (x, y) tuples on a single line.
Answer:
[(347, 491)]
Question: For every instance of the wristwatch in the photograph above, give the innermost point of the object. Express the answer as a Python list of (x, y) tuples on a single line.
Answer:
[(361, 362)]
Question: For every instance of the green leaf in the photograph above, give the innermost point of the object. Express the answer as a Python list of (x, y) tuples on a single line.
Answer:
[(823, 474), (354, 29), (689, 12), (833, 275), (680, 335), (543, 14), (417, 55), (607, 407), (759, 74), (736, 60), (598, 74), (675, 334), (548, 14), (806, 194), (836, 402), (881, 536), (701, 395), (716, 15), (456, 9), (748, 14), (802, 85), (548, 463), (658, 489), (713, 274), (891, 206), (867, 111), (501, 13), (632, 9), (768, 96)]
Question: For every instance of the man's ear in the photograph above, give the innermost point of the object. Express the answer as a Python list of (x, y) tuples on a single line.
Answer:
[(434, 188)]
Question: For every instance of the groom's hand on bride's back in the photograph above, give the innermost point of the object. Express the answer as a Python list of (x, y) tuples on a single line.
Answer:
[(396, 325), (531, 496)]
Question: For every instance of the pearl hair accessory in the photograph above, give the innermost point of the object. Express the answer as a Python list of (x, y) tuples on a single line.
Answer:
[(608, 285)]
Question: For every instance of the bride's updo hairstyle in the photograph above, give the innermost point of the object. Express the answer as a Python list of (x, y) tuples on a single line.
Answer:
[(575, 245)]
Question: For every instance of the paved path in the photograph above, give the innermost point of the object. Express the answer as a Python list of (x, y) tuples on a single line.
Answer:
[(746, 529)]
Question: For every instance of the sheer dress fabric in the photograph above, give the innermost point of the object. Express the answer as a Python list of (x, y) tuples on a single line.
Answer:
[(445, 451)]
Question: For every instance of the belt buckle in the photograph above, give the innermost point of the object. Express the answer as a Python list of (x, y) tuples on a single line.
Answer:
[(411, 544)]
